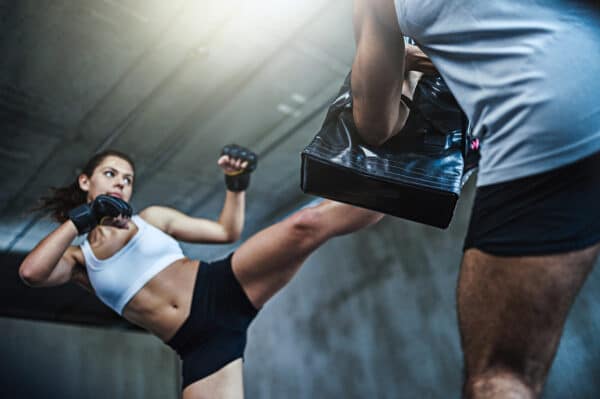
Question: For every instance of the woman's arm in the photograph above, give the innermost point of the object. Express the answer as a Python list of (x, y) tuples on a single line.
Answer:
[(237, 163), (53, 260), (226, 229)]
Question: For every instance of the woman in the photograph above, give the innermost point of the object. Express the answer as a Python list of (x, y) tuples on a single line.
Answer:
[(135, 266)]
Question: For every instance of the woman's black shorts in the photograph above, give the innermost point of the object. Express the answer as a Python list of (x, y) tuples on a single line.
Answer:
[(214, 334), (548, 213)]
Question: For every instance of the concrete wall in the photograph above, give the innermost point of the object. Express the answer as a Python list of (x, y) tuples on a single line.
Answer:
[(372, 315), (47, 360), (369, 316)]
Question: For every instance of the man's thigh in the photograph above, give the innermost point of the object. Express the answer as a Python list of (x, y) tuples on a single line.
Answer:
[(512, 309)]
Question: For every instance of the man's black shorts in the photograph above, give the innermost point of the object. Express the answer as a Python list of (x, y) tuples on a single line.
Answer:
[(548, 213)]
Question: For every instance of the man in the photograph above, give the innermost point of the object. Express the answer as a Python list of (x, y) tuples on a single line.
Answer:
[(525, 72)]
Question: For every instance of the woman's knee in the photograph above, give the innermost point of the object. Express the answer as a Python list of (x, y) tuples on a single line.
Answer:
[(306, 225)]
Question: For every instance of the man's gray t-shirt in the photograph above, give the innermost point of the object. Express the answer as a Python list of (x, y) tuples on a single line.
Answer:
[(527, 73)]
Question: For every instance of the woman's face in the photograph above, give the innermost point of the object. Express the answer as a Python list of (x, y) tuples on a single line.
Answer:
[(113, 176)]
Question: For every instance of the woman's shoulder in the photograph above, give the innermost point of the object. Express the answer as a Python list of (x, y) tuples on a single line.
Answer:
[(157, 216)]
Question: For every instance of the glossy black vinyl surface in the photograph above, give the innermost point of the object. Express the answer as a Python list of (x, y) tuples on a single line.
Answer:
[(417, 175)]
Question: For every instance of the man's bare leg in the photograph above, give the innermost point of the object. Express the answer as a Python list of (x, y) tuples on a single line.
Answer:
[(511, 314)]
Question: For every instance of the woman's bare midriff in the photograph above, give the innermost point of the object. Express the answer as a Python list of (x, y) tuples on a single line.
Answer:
[(162, 306), (164, 303)]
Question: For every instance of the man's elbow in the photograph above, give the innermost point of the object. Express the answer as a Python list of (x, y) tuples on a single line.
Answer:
[(373, 133), (374, 129)]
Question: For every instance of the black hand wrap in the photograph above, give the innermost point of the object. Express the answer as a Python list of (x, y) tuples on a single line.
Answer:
[(87, 216), (239, 181)]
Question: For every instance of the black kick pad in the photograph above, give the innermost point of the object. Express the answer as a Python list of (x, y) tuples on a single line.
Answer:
[(417, 175)]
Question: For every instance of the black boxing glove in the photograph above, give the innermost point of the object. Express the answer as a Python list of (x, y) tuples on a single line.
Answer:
[(239, 181), (87, 216)]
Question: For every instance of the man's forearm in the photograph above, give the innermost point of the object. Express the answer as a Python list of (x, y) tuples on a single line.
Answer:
[(377, 73)]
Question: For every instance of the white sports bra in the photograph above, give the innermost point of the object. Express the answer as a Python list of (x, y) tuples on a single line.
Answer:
[(118, 278)]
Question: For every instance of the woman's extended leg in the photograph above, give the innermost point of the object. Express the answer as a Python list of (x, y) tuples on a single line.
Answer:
[(268, 260)]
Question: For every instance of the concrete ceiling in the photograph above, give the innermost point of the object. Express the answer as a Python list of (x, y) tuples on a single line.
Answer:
[(169, 83)]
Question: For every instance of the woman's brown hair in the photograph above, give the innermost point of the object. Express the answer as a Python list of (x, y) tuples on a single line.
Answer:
[(62, 199)]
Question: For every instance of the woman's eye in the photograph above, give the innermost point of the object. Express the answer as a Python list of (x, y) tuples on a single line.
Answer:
[(109, 173), (127, 181)]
